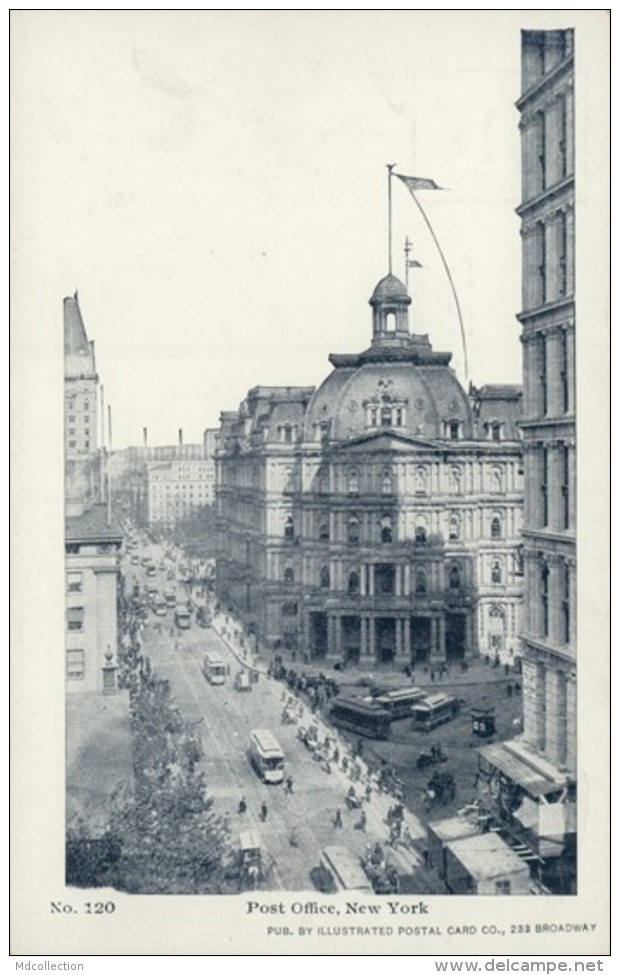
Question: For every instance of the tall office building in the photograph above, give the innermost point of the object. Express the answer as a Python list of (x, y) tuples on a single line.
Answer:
[(533, 781)]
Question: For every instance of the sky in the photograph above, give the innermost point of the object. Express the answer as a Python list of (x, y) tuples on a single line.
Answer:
[(214, 185)]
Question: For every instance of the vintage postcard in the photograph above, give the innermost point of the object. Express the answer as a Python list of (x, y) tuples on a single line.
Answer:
[(310, 646)]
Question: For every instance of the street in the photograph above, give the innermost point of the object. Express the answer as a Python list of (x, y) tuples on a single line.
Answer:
[(222, 719)]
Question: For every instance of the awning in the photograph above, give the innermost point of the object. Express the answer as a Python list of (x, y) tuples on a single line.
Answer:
[(514, 768)]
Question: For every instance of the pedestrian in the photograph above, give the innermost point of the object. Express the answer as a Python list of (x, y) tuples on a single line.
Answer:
[(361, 823), (288, 786), (508, 690), (432, 675), (263, 812), (242, 807), (337, 820)]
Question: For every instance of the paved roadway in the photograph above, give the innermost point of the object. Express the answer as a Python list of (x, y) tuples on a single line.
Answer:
[(224, 718)]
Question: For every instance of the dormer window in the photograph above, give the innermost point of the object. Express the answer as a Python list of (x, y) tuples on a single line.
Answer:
[(453, 429)]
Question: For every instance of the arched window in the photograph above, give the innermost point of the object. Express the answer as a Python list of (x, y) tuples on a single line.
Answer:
[(354, 582), (321, 482), (289, 576), (454, 528), (324, 577), (289, 528), (386, 416), (496, 573), (353, 530), (386, 529), (353, 484), (455, 577), (420, 535), (420, 581), (386, 482), (324, 529), (496, 526)]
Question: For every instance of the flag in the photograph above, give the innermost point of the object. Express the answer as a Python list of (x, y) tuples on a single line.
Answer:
[(413, 263), (414, 183)]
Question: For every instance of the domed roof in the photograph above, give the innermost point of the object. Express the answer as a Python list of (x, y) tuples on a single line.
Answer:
[(428, 396), (390, 288)]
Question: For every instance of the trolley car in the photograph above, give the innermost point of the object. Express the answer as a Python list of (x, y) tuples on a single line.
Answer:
[(363, 717)]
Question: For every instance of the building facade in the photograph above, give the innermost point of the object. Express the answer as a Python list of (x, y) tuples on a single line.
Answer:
[(538, 772), (178, 488), (93, 543), (81, 385), (377, 518)]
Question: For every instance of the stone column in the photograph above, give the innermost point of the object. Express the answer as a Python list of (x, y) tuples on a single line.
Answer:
[(555, 405), (441, 640), (529, 697), (407, 636), (434, 636), (331, 635), (571, 724), (363, 636), (555, 713), (556, 565), (338, 635), (372, 651), (363, 571), (398, 633), (573, 604)]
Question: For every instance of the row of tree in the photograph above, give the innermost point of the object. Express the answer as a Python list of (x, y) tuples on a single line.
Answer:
[(162, 834)]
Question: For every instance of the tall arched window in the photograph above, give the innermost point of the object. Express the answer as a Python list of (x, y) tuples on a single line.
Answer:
[(289, 576), (420, 581), (354, 582), (289, 528), (497, 480), (454, 528), (353, 530), (496, 526), (324, 529), (386, 529), (420, 535), (496, 573), (324, 577), (455, 577)]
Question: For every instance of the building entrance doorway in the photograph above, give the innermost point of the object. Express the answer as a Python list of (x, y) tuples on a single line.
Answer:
[(385, 636), (420, 629), (318, 635), (351, 638), (455, 636)]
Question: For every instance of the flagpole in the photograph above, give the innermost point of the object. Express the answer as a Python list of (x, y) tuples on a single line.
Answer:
[(407, 249), (390, 167), (456, 297)]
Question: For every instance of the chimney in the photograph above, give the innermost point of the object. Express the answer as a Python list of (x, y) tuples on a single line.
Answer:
[(144, 436), (180, 438)]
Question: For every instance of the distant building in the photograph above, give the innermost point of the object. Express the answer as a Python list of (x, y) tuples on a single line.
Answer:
[(81, 413), (162, 484), (531, 782), (378, 517), (178, 488)]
